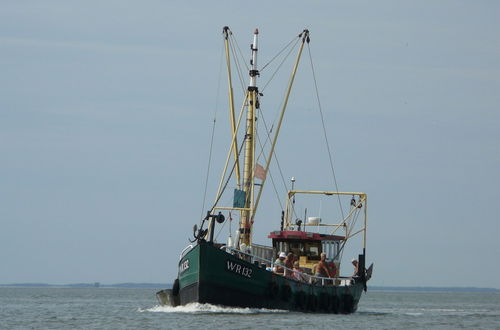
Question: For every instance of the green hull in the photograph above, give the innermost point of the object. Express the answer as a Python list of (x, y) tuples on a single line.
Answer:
[(210, 275)]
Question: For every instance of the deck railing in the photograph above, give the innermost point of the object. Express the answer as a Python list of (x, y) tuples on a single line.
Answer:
[(186, 250), (308, 278)]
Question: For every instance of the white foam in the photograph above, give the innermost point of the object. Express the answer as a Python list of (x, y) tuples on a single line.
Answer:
[(196, 308)]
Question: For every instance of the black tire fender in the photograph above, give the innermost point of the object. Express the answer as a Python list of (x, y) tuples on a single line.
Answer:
[(176, 287)]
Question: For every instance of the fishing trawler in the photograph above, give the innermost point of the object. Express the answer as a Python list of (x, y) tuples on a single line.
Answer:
[(241, 273)]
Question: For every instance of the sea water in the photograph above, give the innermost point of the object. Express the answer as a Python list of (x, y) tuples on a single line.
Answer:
[(128, 308)]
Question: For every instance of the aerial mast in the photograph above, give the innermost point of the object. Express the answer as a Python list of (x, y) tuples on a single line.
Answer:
[(248, 167)]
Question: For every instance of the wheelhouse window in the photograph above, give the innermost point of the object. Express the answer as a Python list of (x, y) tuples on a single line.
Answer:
[(311, 249), (331, 248), (297, 248)]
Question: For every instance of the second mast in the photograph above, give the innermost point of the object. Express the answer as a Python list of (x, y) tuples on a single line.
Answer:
[(249, 166)]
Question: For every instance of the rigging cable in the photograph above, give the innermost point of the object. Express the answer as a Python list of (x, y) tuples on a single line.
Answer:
[(212, 135), (238, 67), (228, 178), (324, 131), (241, 54), (354, 215), (236, 62), (272, 180), (354, 219), (224, 188), (281, 64), (268, 132), (281, 51), (268, 138)]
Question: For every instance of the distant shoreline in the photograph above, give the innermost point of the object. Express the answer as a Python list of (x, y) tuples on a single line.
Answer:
[(89, 285), (169, 285), (431, 289)]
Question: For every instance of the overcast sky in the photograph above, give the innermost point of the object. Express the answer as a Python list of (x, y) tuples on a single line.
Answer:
[(106, 110)]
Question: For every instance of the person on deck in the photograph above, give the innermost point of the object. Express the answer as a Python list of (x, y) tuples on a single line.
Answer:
[(322, 269), (280, 263), (355, 264), (298, 272), (289, 264), (333, 269)]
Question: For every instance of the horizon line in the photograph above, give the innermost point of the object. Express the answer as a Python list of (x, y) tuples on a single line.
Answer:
[(156, 284)]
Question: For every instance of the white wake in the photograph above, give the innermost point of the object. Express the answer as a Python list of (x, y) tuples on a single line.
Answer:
[(196, 308)]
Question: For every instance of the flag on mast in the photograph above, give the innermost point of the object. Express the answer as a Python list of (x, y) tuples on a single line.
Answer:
[(260, 172)]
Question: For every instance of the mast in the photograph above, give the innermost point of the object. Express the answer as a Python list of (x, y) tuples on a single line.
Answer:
[(248, 167), (226, 33), (246, 199)]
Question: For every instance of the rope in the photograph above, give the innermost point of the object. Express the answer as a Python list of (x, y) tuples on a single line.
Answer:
[(281, 64), (220, 229), (236, 62), (224, 188), (355, 215), (268, 138), (268, 132), (281, 51), (324, 131), (228, 178), (241, 54), (355, 219), (212, 135), (272, 180), (265, 142)]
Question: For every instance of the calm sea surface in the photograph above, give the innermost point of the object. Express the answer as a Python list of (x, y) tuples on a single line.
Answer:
[(117, 308)]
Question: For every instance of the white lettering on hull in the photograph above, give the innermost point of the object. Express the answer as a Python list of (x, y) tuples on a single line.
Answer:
[(184, 266), (239, 269)]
